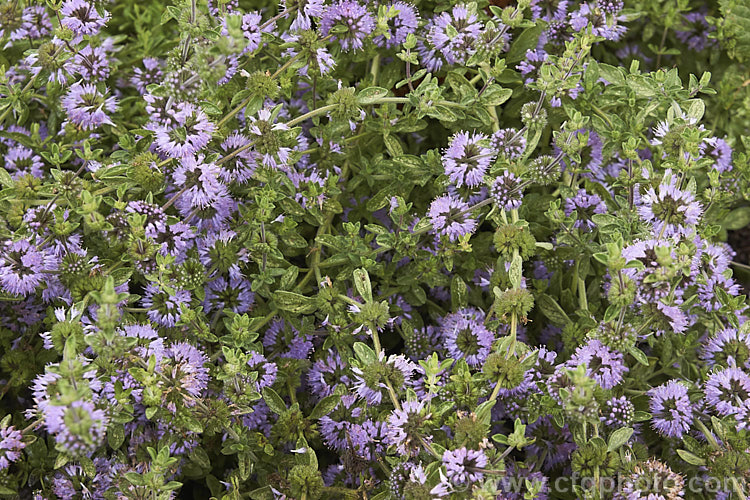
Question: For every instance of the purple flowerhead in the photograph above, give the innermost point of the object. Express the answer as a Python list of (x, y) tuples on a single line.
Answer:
[(670, 209), (187, 131), (82, 18), (87, 107), (11, 445), (506, 191), (404, 21), (465, 160), (455, 33), (449, 217), (727, 390), (727, 346), (584, 205), (671, 409), (199, 180), (604, 365), (356, 21), (461, 465), (509, 143), (406, 428), (22, 266)]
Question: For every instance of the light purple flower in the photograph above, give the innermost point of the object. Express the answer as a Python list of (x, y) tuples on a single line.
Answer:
[(151, 73), (200, 179), (164, 307), (584, 205), (456, 48), (466, 338), (465, 160), (82, 17), (449, 217), (405, 428), (506, 192), (11, 445), (604, 365), (359, 23), (404, 22), (188, 132), (671, 409), (671, 210), (460, 465), (604, 21), (87, 107), (22, 266), (727, 390), (267, 370)]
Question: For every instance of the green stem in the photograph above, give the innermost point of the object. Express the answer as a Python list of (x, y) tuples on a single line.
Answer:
[(495, 119), (582, 299), (602, 115), (375, 69)]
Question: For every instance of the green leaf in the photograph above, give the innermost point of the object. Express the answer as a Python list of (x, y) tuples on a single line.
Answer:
[(639, 355), (690, 458), (371, 95), (61, 460), (697, 109), (325, 406), (459, 293), (516, 270), (294, 302), (641, 416), (611, 74), (552, 310), (210, 108), (115, 435), (393, 146), (200, 457), (192, 424), (736, 219), (365, 354), (528, 39), (274, 401), (612, 313), (495, 95), (362, 283), (263, 493), (619, 438), (5, 178)]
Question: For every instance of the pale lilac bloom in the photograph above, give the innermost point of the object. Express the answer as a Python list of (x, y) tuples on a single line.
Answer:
[(87, 107)]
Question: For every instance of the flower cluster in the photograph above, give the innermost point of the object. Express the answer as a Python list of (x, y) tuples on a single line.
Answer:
[(348, 249)]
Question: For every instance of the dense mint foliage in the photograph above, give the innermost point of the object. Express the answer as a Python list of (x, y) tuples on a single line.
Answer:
[(368, 250)]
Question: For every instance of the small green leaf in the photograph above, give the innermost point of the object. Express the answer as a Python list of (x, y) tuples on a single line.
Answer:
[(5, 178), (495, 95), (690, 458), (325, 406), (639, 355), (274, 401), (459, 293), (364, 353), (641, 416), (371, 95), (294, 302), (552, 310), (115, 435), (528, 39), (362, 283), (619, 438), (736, 219), (516, 270)]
